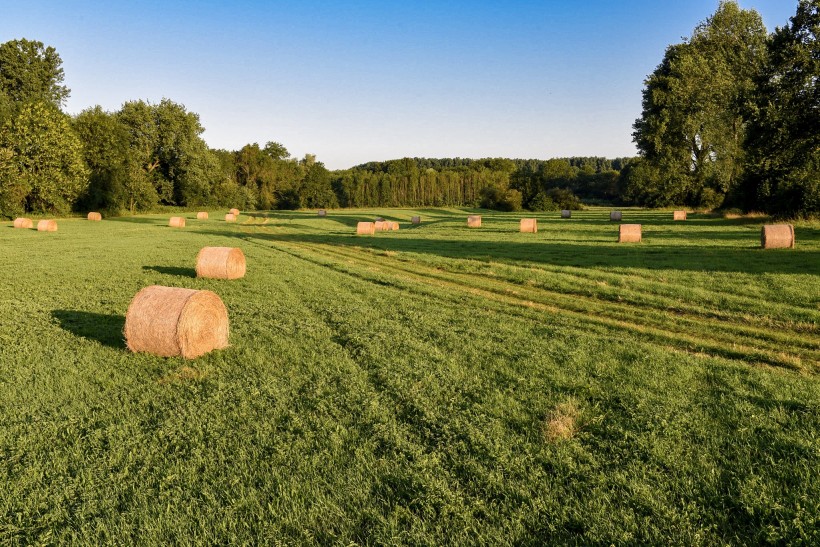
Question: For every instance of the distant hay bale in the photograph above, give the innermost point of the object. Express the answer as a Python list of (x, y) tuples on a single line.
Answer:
[(474, 221), (615, 215), (23, 223), (378, 219), (202, 215), (566, 213), (322, 213), (528, 226), (230, 217), (47, 226), (366, 228), (777, 236), (94, 216), (394, 225), (415, 220), (177, 222), (170, 321), (234, 212), (629, 233), (679, 215), (382, 225), (220, 263)]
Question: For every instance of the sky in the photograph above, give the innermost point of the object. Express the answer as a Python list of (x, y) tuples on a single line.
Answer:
[(362, 81)]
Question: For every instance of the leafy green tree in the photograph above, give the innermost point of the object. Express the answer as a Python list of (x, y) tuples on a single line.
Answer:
[(696, 109), (47, 171), (784, 139), (315, 189), (29, 71)]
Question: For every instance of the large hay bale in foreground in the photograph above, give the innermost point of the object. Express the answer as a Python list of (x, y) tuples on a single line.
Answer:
[(94, 216), (366, 228), (394, 225), (234, 212), (177, 222), (566, 213), (220, 263), (615, 215), (629, 233), (474, 221), (415, 220), (170, 321), (202, 215), (47, 226), (322, 213), (528, 226), (777, 236), (23, 223), (679, 215), (381, 225), (230, 217)]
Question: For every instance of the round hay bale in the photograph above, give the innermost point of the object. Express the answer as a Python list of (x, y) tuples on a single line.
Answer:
[(629, 233), (220, 263), (47, 226), (366, 228), (378, 219), (94, 216), (474, 221), (322, 213), (23, 223), (528, 226), (381, 225), (777, 236), (234, 212), (177, 222), (615, 215), (394, 225), (679, 215), (171, 321), (566, 213), (230, 217), (202, 215), (415, 220)]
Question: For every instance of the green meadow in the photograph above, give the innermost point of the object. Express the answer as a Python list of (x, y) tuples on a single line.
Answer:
[(433, 385)]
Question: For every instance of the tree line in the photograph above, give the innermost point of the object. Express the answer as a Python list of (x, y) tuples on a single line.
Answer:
[(729, 118)]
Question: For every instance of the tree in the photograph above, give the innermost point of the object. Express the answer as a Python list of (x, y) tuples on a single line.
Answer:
[(784, 139), (29, 71), (47, 171), (696, 109)]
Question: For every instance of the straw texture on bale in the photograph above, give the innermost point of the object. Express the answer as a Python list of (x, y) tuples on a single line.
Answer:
[(415, 220), (528, 226), (234, 212), (322, 213), (474, 221), (394, 225), (94, 216), (382, 225), (177, 222), (230, 217), (202, 215), (615, 215), (47, 226), (23, 223), (629, 233), (366, 228), (171, 321), (777, 236), (566, 213), (220, 263), (679, 215)]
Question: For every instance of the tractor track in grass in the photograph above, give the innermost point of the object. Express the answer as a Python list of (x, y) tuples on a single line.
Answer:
[(734, 343)]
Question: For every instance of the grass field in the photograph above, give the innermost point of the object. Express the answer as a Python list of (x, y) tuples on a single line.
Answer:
[(413, 387)]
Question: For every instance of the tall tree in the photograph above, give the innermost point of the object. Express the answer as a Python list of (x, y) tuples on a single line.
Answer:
[(30, 71), (784, 139), (696, 109)]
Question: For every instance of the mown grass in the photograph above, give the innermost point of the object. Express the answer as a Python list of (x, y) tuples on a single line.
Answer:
[(404, 388)]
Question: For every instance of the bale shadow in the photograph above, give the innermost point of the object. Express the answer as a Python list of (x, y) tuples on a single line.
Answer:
[(172, 270), (102, 328)]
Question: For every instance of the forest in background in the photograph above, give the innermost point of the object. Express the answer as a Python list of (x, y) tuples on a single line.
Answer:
[(730, 118)]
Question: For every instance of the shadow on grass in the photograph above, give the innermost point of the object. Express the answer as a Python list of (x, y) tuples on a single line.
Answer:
[(105, 329), (172, 270)]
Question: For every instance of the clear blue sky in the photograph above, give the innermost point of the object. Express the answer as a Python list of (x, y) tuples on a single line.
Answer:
[(359, 81)]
